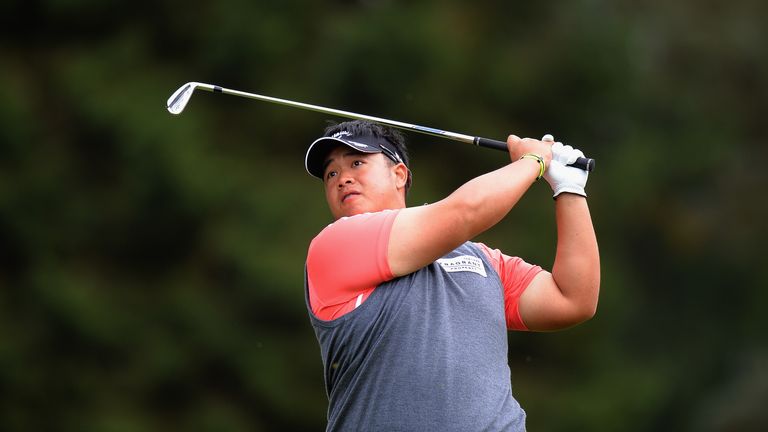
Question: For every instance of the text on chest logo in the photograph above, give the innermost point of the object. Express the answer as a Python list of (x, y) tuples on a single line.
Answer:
[(464, 263)]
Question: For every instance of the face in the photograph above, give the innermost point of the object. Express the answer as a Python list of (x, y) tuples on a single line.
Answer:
[(362, 182)]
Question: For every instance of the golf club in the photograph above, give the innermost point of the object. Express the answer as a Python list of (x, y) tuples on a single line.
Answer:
[(180, 98)]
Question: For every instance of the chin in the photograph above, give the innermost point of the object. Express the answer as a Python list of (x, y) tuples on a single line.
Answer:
[(352, 211)]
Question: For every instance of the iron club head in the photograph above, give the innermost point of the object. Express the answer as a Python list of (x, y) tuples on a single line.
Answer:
[(180, 97)]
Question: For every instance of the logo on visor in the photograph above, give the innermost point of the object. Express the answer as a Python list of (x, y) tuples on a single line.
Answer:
[(345, 136)]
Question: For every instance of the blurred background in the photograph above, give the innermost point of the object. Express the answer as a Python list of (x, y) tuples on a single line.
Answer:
[(151, 266)]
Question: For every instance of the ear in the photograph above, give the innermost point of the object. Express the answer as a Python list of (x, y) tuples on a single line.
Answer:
[(401, 175)]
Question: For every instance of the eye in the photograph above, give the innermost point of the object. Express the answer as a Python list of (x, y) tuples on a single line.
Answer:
[(330, 175), (357, 163)]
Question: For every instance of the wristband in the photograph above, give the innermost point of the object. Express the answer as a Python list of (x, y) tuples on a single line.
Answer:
[(539, 159)]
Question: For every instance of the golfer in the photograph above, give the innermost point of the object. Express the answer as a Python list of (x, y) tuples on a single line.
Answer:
[(411, 315)]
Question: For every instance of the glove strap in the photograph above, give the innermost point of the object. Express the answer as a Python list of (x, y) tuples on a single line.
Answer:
[(539, 159)]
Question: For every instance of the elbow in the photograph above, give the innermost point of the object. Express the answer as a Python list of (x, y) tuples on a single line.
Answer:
[(586, 309), (585, 303), (578, 314), (587, 312), (580, 292), (575, 315)]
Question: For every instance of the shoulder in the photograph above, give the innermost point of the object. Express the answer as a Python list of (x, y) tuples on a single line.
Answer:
[(357, 228), (360, 220)]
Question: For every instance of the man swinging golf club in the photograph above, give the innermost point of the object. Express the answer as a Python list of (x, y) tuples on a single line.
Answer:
[(411, 315)]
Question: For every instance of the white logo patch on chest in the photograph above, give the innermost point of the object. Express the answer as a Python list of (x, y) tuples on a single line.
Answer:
[(464, 263)]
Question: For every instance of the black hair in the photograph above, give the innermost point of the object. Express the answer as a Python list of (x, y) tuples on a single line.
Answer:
[(364, 127)]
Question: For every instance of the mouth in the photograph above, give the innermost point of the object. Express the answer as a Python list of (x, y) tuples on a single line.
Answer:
[(349, 195)]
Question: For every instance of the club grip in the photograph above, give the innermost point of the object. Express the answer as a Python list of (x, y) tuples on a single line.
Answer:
[(587, 164)]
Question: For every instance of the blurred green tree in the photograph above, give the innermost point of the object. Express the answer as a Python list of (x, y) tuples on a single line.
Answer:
[(151, 265)]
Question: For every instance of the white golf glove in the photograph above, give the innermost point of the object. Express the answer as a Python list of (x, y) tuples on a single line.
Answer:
[(564, 178)]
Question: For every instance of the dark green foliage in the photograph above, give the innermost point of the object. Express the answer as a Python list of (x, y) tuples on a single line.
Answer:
[(151, 266)]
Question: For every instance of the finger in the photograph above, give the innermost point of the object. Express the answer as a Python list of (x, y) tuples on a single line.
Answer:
[(513, 141), (548, 137), (569, 154), (513, 144)]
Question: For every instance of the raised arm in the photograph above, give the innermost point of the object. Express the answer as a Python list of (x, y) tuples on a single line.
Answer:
[(569, 294), (423, 234)]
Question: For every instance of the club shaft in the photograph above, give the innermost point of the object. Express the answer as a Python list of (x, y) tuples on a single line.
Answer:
[(398, 124), (586, 164)]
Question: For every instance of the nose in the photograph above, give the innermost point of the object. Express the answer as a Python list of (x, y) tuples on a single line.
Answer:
[(345, 178)]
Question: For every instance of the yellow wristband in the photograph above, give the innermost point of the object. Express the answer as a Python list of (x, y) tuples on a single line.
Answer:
[(539, 159)]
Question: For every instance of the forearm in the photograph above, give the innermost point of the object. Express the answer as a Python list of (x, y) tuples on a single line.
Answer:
[(422, 234), (485, 200), (576, 269)]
